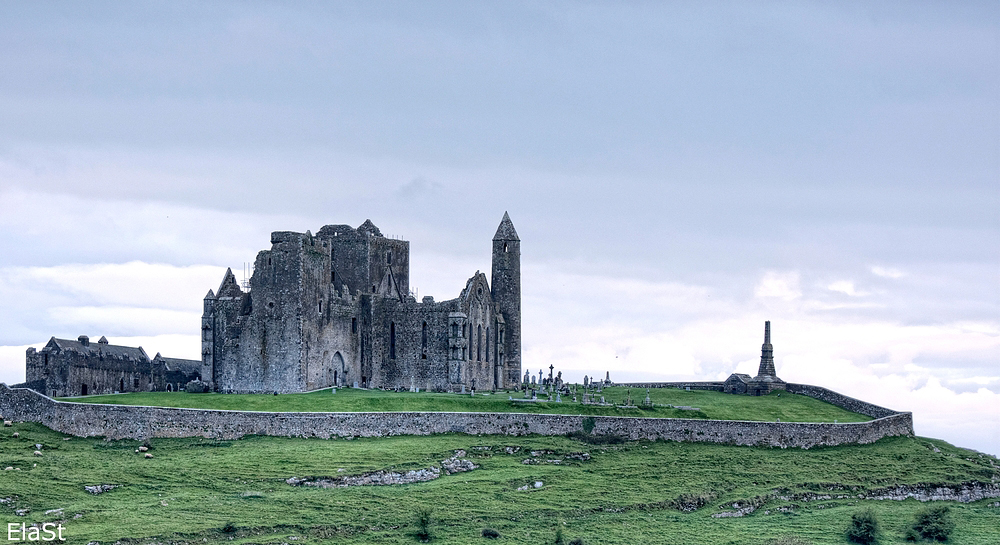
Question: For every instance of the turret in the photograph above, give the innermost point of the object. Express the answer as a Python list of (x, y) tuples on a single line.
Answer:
[(506, 287), (208, 341)]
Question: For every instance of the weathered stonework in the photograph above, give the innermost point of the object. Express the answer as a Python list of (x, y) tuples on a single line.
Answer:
[(121, 422), (66, 367), (334, 309)]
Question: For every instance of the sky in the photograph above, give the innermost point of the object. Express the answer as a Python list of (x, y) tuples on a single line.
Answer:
[(678, 172)]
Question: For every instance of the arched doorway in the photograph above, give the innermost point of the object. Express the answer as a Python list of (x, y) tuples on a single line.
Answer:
[(337, 366), (170, 388), (83, 389)]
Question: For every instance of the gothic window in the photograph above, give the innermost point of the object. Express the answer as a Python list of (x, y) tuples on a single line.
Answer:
[(505, 247), (121, 385), (388, 257), (479, 343), (333, 276), (321, 307), (392, 340), (354, 325), (487, 345)]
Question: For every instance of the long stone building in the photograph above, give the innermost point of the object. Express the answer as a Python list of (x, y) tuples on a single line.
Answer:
[(335, 309), (66, 367)]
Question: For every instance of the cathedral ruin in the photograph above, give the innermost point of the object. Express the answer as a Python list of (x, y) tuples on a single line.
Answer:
[(335, 309)]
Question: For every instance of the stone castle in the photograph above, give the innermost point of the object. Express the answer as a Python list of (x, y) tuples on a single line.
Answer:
[(335, 309)]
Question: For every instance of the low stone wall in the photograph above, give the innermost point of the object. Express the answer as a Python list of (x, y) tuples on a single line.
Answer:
[(715, 386), (122, 421), (840, 400)]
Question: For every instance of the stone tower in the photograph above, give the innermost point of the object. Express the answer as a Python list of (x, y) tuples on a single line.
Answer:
[(766, 368), (506, 290)]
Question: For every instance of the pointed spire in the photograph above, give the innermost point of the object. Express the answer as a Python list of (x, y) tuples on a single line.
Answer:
[(210, 295), (506, 229), (766, 370)]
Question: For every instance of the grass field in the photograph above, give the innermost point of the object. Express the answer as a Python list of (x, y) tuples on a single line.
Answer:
[(203, 491), (716, 405)]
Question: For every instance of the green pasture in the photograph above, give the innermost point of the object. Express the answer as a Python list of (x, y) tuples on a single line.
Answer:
[(204, 491), (714, 405)]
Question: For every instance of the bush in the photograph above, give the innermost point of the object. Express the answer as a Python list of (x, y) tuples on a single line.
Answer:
[(490, 533), (229, 528), (424, 525), (864, 528), (559, 537), (577, 541), (934, 524)]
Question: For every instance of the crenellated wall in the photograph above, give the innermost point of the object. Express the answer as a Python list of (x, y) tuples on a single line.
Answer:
[(122, 421)]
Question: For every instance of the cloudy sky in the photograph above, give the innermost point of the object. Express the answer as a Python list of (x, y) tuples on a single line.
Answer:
[(678, 173)]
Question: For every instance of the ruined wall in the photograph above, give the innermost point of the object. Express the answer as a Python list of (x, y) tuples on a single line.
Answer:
[(714, 386), (840, 400), (335, 309), (119, 422)]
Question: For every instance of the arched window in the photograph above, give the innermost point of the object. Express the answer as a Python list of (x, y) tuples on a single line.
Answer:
[(423, 342), (392, 340), (121, 385), (388, 257), (333, 276), (487, 345), (479, 343)]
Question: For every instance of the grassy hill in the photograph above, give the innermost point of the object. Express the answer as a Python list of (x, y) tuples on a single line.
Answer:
[(716, 405), (202, 491)]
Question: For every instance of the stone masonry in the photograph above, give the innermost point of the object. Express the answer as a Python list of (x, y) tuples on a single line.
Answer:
[(335, 309), (122, 422)]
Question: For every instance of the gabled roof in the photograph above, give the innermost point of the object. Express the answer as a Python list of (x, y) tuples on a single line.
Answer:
[(229, 287), (506, 229), (97, 349), (368, 226), (741, 376), (177, 364)]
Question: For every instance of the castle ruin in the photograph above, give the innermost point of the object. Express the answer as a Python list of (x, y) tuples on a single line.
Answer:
[(335, 309)]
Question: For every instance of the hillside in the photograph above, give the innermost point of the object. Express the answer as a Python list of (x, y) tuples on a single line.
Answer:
[(202, 491), (715, 405)]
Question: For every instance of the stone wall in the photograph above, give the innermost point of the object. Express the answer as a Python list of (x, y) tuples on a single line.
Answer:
[(120, 422), (840, 400), (714, 386)]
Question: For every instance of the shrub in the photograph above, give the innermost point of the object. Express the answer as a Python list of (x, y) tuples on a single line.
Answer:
[(864, 528), (424, 524), (229, 528), (490, 533), (560, 540), (934, 523)]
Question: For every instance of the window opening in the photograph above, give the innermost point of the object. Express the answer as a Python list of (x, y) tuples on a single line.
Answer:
[(354, 325), (479, 343), (83, 389), (392, 340), (121, 385)]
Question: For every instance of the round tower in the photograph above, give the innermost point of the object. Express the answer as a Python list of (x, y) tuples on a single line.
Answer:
[(505, 282)]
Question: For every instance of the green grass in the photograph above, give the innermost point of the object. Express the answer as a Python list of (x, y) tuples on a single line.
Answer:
[(715, 405), (624, 494)]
